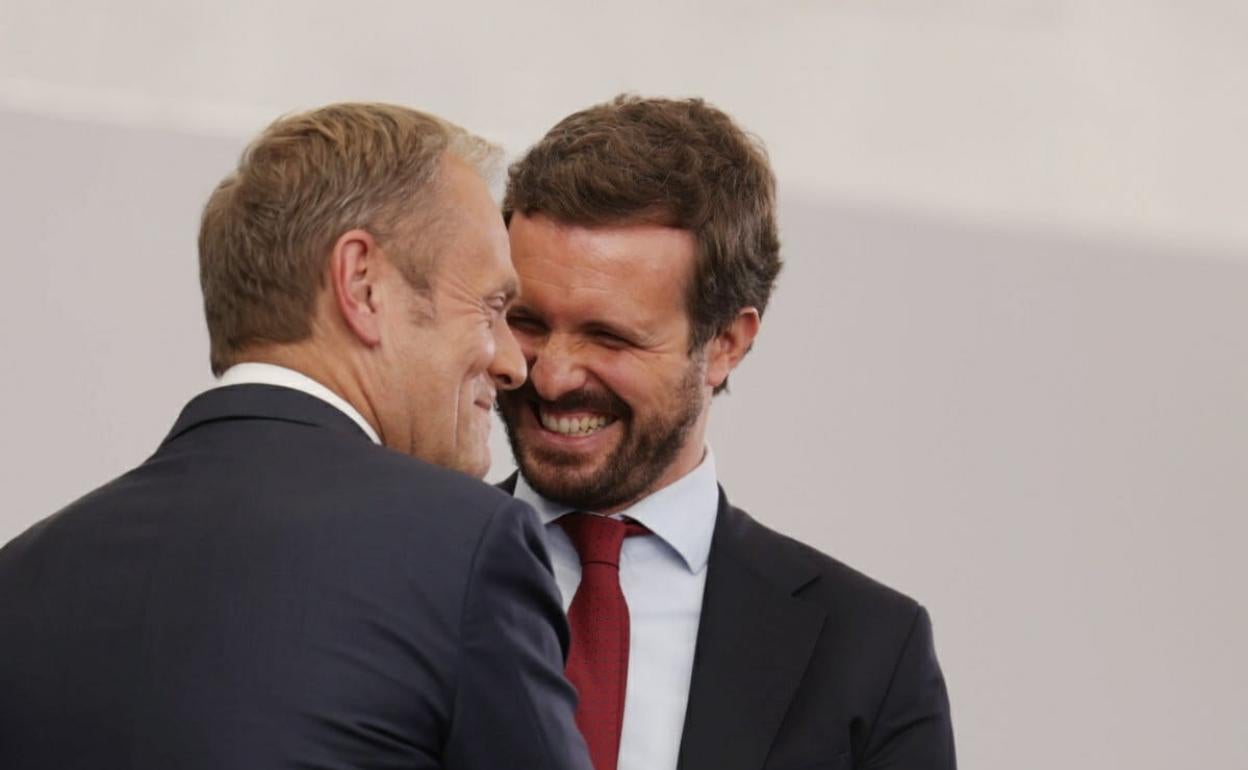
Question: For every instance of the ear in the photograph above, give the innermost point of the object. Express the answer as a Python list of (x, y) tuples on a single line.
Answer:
[(727, 348), (355, 272)]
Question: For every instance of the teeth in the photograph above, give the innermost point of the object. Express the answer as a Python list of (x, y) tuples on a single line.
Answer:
[(574, 426)]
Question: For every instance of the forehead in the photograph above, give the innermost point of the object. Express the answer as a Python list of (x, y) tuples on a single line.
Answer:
[(641, 269), (473, 240)]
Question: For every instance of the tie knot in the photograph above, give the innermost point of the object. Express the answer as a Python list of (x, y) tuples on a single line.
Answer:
[(597, 539)]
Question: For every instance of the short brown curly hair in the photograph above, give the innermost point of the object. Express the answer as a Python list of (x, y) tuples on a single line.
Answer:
[(675, 162)]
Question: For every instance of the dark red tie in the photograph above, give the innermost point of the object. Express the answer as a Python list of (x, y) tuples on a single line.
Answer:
[(598, 617)]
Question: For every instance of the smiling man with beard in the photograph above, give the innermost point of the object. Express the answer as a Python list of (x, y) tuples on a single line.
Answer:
[(644, 235)]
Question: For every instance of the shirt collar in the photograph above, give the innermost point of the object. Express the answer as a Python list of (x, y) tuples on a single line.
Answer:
[(682, 513), (255, 373)]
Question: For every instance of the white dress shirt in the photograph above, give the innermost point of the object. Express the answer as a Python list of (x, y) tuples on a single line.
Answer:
[(662, 576), (252, 373)]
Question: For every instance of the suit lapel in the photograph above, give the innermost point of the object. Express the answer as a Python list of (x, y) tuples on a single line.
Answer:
[(754, 641)]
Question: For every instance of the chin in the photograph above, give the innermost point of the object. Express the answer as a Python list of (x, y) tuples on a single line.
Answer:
[(561, 473)]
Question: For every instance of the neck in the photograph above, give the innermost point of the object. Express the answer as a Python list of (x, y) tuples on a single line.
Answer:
[(310, 361)]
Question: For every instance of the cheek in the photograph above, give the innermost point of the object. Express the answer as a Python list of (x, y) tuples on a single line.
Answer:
[(665, 385), (634, 379), (469, 357)]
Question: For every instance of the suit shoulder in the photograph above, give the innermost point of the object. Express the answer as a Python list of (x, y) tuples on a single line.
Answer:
[(409, 475), (311, 464), (439, 509), (813, 574)]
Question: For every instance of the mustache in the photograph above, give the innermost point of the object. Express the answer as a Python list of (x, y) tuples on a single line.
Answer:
[(601, 401)]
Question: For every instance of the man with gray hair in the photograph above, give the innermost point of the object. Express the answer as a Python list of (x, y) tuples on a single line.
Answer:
[(290, 581)]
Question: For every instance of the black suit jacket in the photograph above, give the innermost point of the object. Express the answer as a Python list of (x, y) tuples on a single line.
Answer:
[(271, 590), (805, 664)]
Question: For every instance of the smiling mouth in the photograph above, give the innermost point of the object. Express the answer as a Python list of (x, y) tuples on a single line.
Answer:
[(572, 423), (486, 401)]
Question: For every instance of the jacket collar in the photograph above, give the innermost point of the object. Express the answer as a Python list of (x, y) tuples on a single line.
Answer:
[(262, 402), (755, 639)]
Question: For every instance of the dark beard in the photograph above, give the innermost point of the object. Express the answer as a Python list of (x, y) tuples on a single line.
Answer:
[(630, 471)]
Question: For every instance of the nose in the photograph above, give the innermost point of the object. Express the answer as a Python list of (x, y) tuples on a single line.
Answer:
[(508, 369), (554, 369)]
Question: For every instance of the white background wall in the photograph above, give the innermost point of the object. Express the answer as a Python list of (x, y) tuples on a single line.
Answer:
[(1006, 369)]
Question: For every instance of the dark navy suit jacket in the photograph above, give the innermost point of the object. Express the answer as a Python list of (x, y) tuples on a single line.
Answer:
[(802, 663), (272, 590)]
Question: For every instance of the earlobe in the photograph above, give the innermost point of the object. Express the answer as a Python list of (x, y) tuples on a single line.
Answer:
[(354, 271), (728, 347)]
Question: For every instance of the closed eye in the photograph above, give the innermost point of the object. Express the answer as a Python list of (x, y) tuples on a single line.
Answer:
[(493, 312), (609, 337), (525, 323)]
